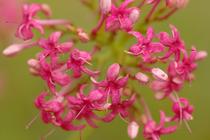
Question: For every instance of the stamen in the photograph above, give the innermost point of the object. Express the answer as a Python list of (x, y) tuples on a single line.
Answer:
[(128, 52), (123, 119), (48, 134), (188, 127), (80, 112), (180, 107), (31, 122), (86, 61), (108, 93)]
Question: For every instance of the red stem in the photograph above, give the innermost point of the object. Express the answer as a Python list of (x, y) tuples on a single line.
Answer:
[(168, 14), (152, 11), (99, 25)]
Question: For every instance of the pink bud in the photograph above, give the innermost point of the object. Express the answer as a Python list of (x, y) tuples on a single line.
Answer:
[(33, 71), (133, 129), (158, 73), (105, 6), (12, 50), (177, 3), (159, 95), (16, 48), (134, 15), (201, 55), (33, 63), (82, 35), (113, 72), (141, 77)]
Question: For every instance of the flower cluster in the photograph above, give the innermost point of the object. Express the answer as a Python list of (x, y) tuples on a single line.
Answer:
[(76, 92)]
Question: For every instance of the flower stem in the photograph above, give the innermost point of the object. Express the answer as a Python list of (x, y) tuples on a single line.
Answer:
[(152, 11)]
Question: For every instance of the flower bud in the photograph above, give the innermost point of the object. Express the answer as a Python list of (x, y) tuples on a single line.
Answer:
[(141, 77), (82, 35), (133, 129), (12, 50), (105, 6), (177, 3), (16, 48), (33, 71), (33, 63), (113, 72), (201, 55), (134, 15), (158, 73)]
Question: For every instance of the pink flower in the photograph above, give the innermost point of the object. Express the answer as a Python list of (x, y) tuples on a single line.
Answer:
[(153, 131), (84, 106), (49, 109), (187, 65), (52, 47), (183, 110), (145, 47), (120, 108), (24, 30), (66, 122), (172, 84), (77, 62), (174, 43), (121, 17), (52, 75), (113, 83)]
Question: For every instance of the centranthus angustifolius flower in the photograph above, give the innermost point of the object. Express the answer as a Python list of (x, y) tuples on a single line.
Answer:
[(76, 95)]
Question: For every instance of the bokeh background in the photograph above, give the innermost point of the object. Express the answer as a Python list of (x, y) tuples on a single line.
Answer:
[(20, 88)]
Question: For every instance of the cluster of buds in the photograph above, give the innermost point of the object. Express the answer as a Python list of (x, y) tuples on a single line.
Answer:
[(75, 96)]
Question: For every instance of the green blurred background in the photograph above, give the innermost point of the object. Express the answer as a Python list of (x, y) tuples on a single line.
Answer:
[(20, 88)]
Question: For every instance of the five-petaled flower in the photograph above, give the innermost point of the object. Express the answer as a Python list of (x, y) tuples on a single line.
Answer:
[(153, 131), (122, 17), (145, 47), (77, 61), (24, 30), (113, 83)]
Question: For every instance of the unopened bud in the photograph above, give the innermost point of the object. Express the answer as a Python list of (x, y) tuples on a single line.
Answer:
[(33, 63), (12, 50), (33, 71), (82, 35), (134, 15), (133, 129), (201, 55), (177, 3), (141, 77), (158, 73), (105, 6)]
